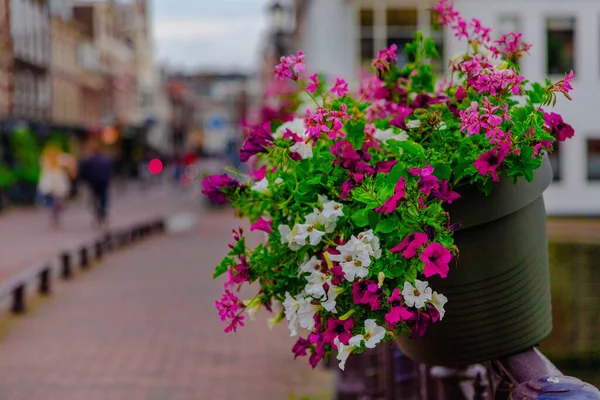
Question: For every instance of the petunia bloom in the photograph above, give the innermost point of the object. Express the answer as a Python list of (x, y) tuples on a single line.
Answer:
[(416, 296), (338, 329), (557, 127), (391, 203), (490, 161), (398, 312), (262, 225), (436, 258), (258, 141), (411, 244), (214, 185)]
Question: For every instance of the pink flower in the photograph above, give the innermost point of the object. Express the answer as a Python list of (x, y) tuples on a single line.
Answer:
[(367, 292), (399, 120), (460, 94), (427, 181), (300, 347), (446, 12), (315, 124), (340, 88), (555, 125), (391, 203), (258, 140), (422, 319), (564, 85), (536, 149), (338, 329), (397, 313), (262, 225), (490, 161), (214, 186), (336, 118), (384, 58), (411, 244), (236, 322), (238, 274), (436, 258), (479, 29), (312, 87), (510, 46), (290, 66), (258, 174), (471, 120), (443, 192), (385, 166)]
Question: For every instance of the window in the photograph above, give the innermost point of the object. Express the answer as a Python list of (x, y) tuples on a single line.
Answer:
[(401, 28), (593, 159), (560, 45), (555, 162), (367, 45)]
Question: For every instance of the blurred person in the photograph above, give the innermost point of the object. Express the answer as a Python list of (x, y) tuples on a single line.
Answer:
[(95, 171), (57, 171)]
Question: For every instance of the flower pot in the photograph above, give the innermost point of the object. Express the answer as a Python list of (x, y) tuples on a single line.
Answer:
[(499, 292)]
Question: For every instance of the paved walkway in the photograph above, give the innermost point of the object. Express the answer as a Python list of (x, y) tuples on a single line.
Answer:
[(142, 326), (26, 235)]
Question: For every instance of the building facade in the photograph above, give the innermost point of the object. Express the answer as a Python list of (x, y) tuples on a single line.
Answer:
[(6, 59), (30, 34), (340, 36)]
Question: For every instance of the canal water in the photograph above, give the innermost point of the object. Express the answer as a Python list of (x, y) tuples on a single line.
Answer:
[(574, 345)]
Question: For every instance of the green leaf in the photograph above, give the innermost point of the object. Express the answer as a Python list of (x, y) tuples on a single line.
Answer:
[(387, 225), (394, 175), (362, 196), (222, 267), (360, 218), (442, 171), (373, 218), (410, 147)]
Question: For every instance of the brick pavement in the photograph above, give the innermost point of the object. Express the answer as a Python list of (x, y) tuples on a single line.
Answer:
[(141, 326), (26, 235)]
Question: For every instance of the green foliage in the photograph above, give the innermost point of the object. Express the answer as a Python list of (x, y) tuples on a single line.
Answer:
[(7, 177), (27, 154)]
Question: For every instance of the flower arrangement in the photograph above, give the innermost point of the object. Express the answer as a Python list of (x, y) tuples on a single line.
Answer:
[(351, 194)]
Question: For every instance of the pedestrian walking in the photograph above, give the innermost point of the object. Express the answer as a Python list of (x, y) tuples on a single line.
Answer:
[(57, 171), (96, 171)]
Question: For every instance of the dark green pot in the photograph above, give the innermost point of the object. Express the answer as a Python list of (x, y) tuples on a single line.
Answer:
[(499, 293)]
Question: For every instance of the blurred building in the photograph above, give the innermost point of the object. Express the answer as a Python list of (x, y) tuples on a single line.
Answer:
[(30, 33), (339, 37), (5, 59)]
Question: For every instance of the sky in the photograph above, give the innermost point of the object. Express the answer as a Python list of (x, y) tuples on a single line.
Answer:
[(208, 34)]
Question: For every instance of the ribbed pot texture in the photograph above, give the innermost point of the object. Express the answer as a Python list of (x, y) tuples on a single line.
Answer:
[(499, 293)]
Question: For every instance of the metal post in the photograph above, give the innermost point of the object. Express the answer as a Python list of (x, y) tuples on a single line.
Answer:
[(18, 305), (45, 285), (66, 271), (84, 261), (108, 242)]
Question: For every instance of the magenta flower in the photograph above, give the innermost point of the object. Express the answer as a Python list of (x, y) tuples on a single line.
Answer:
[(446, 12), (367, 292), (422, 319), (290, 66), (436, 258), (411, 244), (564, 85), (460, 94), (557, 127), (338, 329), (262, 225), (479, 29), (228, 305), (336, 118), (258, 140), (234, 324), (385, 166), (313, 85), (315, 124), (238, 274), (345, 154), (213, 186), (471, 120), (391, 203), (340, 88), (510, 46), (397, 313), (544, 143), (385, 57), (258, 174), (300, 347), (346, 189), (443, 192), (399, 119), (490, 161), (427, 181)]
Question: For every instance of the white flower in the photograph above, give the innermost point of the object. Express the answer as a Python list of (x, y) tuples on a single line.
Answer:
[(288, 236), (291, 305), (253, 307), (373, 335), (296, 125), (332, 210), (442, 125), (278, 181), (369, 238), (304, 148), (316, 280), (306, 312), (317, 219), (416, 296), (308, 231), (413, 123), (439, 300), (309, 266), (332, 293), (261, 186), (354, 258), (343, 352), (389, 134)]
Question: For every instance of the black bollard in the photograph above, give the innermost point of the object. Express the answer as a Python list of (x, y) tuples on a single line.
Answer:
[(45, 287), (99, 247), (66, 271), (18, 305)]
